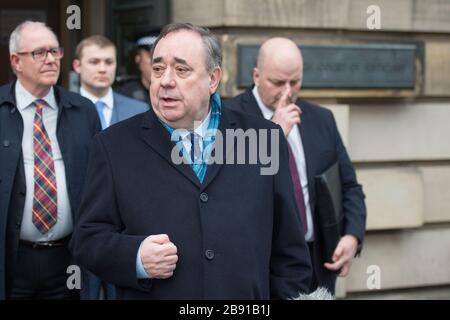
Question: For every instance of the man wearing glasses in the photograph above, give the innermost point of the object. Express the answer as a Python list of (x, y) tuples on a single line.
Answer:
[(45, 132)]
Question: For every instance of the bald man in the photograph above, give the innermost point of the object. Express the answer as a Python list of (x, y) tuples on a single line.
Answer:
[(315, 145)]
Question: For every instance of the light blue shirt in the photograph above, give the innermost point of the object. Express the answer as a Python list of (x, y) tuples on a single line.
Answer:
[(108, 101), (140, 271), (201, 129)]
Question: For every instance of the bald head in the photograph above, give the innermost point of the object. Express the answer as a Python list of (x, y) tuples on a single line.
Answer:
[(279, 51), (279, 70)]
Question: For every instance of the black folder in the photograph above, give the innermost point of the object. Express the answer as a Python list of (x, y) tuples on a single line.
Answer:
[(329, 210)]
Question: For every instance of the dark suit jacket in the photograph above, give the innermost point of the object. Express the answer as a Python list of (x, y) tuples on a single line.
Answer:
[(322, 146), (77, 124), (236, 233)]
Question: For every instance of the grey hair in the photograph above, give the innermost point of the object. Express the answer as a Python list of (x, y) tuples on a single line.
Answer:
[(16, 35), (210, 42)]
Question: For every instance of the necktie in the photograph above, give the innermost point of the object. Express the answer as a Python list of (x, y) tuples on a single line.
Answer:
[(99, 105), (196, 153), (44, 212), (297, 189)]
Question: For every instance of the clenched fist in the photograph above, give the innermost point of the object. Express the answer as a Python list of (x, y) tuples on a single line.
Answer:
[(159, 256)]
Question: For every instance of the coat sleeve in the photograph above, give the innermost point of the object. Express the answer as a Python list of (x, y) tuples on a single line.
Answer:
[(354, 207), (290, 267), (98, 242)]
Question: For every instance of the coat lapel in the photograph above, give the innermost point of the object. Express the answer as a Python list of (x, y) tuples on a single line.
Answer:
[(117, 109), (226, 122), (157, 137), (12, 124), (11, 160), (249, 104)]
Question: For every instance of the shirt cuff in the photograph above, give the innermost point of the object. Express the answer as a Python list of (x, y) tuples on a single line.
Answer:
[(140, 271)]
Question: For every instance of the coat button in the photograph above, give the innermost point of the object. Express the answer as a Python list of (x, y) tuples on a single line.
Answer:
[(13, 110), (6, 143), (18, 224), (22, 193), (204, 197), (209, 254)]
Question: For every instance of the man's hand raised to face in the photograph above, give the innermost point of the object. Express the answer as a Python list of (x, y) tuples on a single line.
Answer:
[(287, 114)]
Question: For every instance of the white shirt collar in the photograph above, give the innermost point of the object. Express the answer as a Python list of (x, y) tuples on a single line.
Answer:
[(24, 99), (267, 113), (108, 99), (200, 130)]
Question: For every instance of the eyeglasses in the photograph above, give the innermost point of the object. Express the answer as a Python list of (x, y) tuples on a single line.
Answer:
[(41, 54)]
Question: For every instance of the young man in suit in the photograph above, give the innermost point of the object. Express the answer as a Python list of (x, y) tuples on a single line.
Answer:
[(96, 64), (45, 133), (160, 229), (315, 144)]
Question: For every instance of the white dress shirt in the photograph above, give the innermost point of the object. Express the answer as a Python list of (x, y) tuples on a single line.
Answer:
[(296, 144), (108, 100), (200, 129), (27, 109)]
